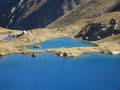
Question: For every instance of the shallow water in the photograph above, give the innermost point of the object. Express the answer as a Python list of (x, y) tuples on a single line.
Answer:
[(9, 38), (67, 42), (47, 71)]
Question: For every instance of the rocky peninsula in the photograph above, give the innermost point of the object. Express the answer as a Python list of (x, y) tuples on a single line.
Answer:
[(107, 45), (17, 45)]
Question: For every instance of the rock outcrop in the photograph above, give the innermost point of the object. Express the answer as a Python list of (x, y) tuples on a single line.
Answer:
[(97, 31)]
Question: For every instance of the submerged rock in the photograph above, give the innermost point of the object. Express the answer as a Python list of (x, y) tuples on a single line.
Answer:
[(37, 46), (33, 55)]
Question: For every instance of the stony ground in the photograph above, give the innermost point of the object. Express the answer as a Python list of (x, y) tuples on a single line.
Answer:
[(18, 45), (104, 48), (108, 45)]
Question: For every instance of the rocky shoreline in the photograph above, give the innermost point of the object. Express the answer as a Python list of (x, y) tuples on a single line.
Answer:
[(77, 51), (18, 44)]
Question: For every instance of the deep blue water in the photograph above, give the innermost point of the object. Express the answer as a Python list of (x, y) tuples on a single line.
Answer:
[(47, 71), (50, 72), (60, 42)]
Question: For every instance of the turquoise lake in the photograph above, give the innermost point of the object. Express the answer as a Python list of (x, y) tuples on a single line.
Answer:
[(60, 42), (48, 71)]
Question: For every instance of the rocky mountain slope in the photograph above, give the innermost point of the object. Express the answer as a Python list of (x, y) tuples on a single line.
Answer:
[(109, 45), (87, 9), (12, 10), (30, 14)]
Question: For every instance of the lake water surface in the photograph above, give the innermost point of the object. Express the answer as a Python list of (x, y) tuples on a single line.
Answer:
[(48, 71), (60, 42), (9, 38)]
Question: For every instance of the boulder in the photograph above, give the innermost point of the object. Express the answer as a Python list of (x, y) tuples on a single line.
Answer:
[(37, 46), (61, 54), (114, 52), (33, 55)]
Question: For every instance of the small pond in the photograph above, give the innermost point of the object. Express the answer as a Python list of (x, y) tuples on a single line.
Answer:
[(9, 38), (60, 42)]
